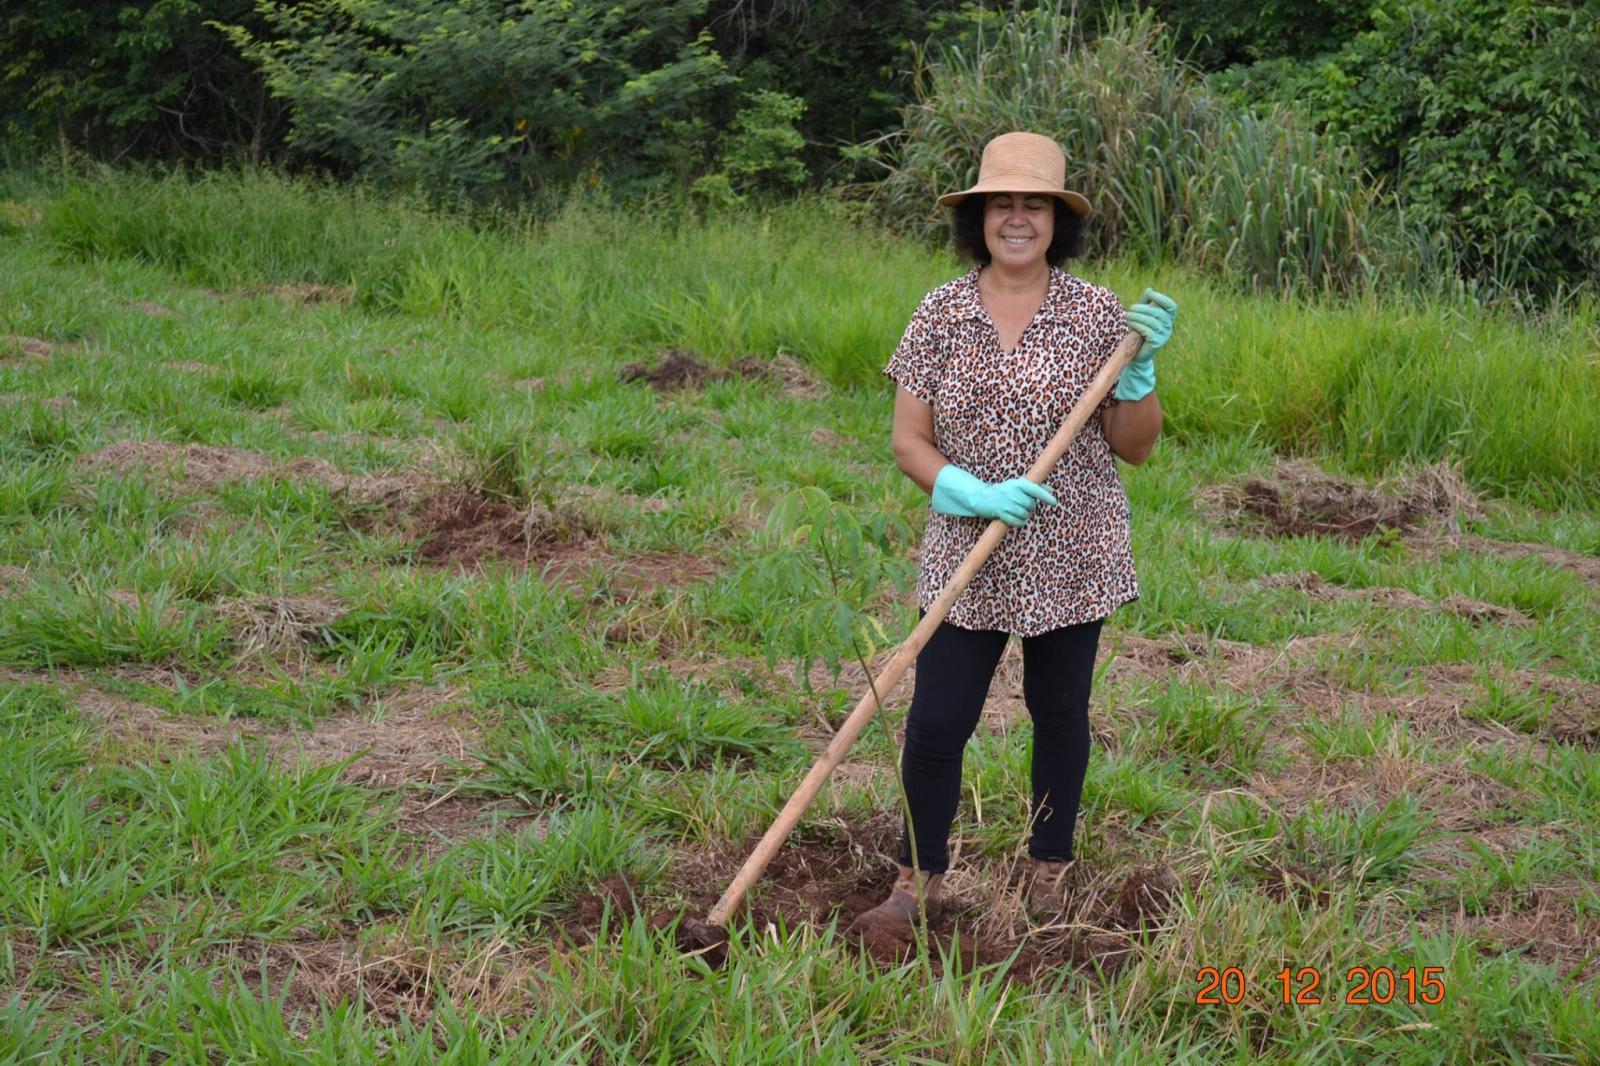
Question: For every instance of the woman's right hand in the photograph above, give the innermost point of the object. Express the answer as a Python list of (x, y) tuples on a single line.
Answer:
[(956, 492)]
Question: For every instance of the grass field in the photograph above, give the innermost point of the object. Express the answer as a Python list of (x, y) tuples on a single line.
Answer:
[(385, 664)]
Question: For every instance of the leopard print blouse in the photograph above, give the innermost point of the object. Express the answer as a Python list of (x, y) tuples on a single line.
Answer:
[(993, 414)]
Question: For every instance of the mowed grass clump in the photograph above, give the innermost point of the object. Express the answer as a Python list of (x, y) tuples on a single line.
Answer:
[(387, 664)]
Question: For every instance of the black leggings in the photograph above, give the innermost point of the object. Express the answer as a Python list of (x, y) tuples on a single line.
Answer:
[(953, 673)]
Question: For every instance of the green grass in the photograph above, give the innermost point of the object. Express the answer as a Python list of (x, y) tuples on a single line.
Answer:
[(280, 789)]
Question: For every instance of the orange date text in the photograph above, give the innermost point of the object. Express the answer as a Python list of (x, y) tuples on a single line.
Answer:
[(1305, 986)]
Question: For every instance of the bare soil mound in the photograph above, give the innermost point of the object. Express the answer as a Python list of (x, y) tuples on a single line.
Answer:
[(837, 872), (13, 579), (676, 369), (1299, 500), (459, 527)]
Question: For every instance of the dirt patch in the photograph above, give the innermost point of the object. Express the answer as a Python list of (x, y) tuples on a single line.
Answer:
[(13, 579), (1435, 712), (627, 577), (676, 370), (49, 403), (408, 739), (437, 823), (1559, 707), (151, 309), (204, 467), (1587, 566), (613, 899), (394, 978), (305, 292), (457, 527), (14, 346), (836, 871), (199, 465), (461, 527), (1546, 924), (1196, 657), (1464, 607), (1460, 799), (1299, 499), (1571, 705)]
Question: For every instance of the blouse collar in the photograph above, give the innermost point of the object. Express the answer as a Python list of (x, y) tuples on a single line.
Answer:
[(969, 304)]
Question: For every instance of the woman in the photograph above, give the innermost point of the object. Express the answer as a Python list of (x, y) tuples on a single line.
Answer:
[(987, 370)]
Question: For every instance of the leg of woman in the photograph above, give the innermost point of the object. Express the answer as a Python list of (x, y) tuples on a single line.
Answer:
[(1057, 670), (953, 673)]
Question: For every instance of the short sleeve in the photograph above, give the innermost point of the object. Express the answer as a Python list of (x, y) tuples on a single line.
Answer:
[(918, 362)]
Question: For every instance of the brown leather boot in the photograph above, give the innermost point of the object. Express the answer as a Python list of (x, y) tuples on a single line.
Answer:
[(1046, 898), (902, 907)]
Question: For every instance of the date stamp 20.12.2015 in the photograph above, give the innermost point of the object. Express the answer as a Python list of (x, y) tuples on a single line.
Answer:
[(1305, 986)]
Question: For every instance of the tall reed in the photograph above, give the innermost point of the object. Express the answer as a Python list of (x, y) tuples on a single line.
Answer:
[(1172, 172)]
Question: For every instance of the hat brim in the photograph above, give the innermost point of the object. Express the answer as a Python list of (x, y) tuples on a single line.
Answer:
[(1074, 201)]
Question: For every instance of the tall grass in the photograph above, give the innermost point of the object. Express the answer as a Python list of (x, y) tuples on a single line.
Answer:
[(1172, 172), (1382, 379)]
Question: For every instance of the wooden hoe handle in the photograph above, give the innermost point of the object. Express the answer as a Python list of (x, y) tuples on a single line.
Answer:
[(878, 690)]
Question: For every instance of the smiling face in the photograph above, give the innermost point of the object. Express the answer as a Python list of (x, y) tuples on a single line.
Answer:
[(1017, 228)]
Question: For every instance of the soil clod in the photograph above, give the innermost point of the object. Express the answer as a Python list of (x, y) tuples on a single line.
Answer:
[(708, 941), (1145, 898)]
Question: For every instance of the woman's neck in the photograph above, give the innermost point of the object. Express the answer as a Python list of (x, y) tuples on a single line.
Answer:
[(1003, 282)]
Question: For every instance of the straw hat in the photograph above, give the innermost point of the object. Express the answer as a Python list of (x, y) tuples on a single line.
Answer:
[(1022, 162)]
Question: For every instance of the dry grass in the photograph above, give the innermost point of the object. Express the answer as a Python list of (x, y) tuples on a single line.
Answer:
[(1397, 599), (14, 346), (1300, 498), (279, 624), (201, 468)]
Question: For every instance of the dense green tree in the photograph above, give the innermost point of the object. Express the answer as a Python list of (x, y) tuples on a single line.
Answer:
[(849, 60), (148, 78), (1225, 32), (1484, 116), (474, 96)]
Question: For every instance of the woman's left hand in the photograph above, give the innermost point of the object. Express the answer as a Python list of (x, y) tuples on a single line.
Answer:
[(1152, 318)]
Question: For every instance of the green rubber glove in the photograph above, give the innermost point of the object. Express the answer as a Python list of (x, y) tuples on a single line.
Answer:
[(1152, 317), (956, 492)]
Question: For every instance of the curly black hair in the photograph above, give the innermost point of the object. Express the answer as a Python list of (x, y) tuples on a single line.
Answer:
[(966, 232)]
